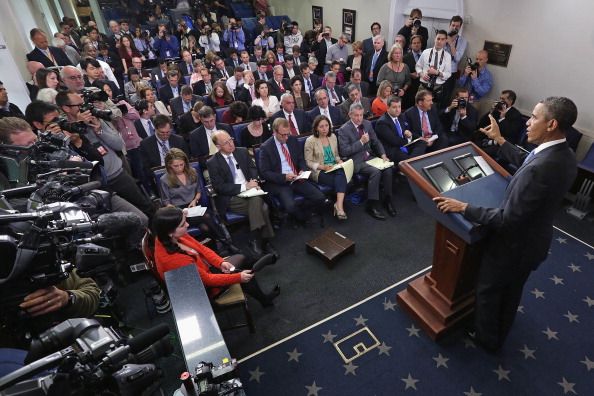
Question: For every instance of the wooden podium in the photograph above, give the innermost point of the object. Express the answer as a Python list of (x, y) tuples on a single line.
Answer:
[(445, 296)]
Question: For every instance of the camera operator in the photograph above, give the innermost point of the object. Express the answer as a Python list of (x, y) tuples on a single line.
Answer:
[(264, 39), (508, 118), (293, 38), (476, 77), (434, 66), (413, 27), (166, 44), (209, 40), (234, 36), (455, 46), (460, 118)]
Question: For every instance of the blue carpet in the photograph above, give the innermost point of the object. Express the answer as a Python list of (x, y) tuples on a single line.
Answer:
[(550, 349)]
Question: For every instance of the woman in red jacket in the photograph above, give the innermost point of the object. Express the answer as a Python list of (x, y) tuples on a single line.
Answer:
[(174, 248)]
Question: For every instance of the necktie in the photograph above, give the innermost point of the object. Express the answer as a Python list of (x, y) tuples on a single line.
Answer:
[(288, 158), (361, 133), (163, 150), (225, 73), (425, 126), (327, 114), (528, 158), (247, 66), (309, 86), (263, 76), (190, 71), (187, 106), (208, 88), (280, 85), (151, 128), (252, 94), (334, 96), (399, 130), (292, 126), (232, 168)]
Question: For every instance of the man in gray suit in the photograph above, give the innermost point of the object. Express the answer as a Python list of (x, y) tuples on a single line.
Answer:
[(355, 97), (358, 141), (522, 226)]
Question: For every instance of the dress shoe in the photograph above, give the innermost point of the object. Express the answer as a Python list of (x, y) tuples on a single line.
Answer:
[(269, 248), (269, 300), (390, 209), (375, 213), (255, 248), (267, 259), (473, 336)]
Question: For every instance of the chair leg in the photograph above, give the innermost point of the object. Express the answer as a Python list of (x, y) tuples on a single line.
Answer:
[(248, 318)]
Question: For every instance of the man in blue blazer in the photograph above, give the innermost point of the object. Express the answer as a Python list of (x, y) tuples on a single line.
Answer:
[(431, 129), (170, 90), (281, 161), (49, 56), (357, 141), (299, 119), (522, 226), (324, 108), (393, 131)]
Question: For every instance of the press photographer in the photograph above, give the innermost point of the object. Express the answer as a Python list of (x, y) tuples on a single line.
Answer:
[(460, 118), (476, 77), (508, 118), (434, 66), (101, 142)]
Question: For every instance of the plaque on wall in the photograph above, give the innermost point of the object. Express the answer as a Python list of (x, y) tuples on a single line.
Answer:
[(317, 13), (498, 53), (348, 23)]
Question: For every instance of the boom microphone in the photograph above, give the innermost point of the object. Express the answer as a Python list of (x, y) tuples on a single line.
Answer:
[(148, 337), (65, 164), (118, 223), (83, 188)]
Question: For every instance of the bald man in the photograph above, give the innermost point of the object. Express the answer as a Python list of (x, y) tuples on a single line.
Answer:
[(32, 67), (478, 81)]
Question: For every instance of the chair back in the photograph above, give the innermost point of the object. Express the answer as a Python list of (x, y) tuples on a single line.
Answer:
[(219, 112)]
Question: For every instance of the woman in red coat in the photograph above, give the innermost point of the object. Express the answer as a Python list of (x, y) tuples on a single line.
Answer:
[(174, 248)]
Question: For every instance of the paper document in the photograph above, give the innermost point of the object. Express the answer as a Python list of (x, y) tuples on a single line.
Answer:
[(380, 163), (196, 211), (432, 138), (348, 167), (484, 165), (252, 192), (303, 175)]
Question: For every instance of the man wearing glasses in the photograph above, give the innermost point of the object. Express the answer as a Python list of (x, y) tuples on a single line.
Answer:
[(232, 172), (281, 164)]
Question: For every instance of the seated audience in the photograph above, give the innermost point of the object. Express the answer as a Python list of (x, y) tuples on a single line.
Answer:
[(236, 113), (336, 93), (278, 85), (171, 89), (258, 130), (189, 121), (269, 103), (183, 103), (302, 100), (174, 248), (204, 85), (299, 123), (354, 96), (219, 96), (333, 113), (47, 78), (357, 80), (460, 118), (321, 154), (508, 118), (149, 95), (423, 120), (380, 103), (201, 144)]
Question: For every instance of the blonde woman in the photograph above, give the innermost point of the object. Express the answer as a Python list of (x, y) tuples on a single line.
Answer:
[(380, 104)]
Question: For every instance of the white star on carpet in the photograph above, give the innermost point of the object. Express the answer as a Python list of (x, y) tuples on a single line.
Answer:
[(588, 301), (441, 360), (413, 331), (589, 364), (313, 389), (561, 240), (328, 337), (294, 355), (384, 349), (589, 255), (557, 280), (571, 317), (537, 293), (528, 353), (502, 374), (520, 309), (360, 321), (567, 386), (350, 368), (256, 374), (410, 382), (468, 343), (388, 304), (472, 392), (575, 268), (551, 334)]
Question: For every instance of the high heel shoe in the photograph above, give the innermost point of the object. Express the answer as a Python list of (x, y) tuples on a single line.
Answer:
[(340, 215)]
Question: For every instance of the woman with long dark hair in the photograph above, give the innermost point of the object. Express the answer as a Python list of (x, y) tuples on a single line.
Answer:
[(174, 248)]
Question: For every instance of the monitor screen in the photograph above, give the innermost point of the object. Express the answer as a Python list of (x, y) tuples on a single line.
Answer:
[(440, 176), (468, 166)]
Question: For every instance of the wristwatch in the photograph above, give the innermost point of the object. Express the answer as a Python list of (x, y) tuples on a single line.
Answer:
[(71, 298)]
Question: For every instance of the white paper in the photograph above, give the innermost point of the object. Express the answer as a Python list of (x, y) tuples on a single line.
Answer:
[(303, 175), (196, 211), (252, 192), (484, 165), (379, 163), (348, 167)]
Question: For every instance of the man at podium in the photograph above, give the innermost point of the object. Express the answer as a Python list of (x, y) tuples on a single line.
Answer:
[(521, 227)]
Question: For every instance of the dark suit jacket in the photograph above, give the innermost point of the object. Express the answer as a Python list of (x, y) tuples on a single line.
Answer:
[(270, 161), (166, 94), (286, 73), (199, 88), (59, 55), (243, 95), (335, 115), (199, 140), (185, 125), (151, 158), (303, 121), (345, 106), (383, 58), (466, 127), (268, 76), (349, 145), (177, 106), (275, 88), (217, 74), (13, 111), (386, 132), (222, 179), (522, 225), (143, 133), (511, 127), (414, 121), (340, 92), (320, 50), (162, 77), (183, 68), (316, 82)]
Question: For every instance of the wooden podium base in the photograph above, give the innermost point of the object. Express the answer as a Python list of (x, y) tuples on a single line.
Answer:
[(441, 299)]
